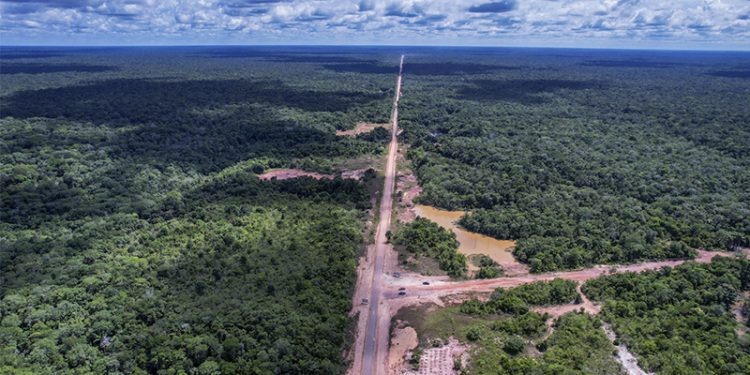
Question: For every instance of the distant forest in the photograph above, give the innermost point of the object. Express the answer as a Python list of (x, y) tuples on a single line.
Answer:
[(586, 157)]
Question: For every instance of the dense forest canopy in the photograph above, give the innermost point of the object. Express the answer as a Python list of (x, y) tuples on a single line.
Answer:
[(135, 236), (586, 157), (679, 321)]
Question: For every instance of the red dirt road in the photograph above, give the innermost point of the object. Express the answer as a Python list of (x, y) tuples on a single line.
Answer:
[(416, 291)]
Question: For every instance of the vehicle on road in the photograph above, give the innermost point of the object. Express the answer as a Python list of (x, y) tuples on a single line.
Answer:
[(402, 288), (402, 293), (425, 283)]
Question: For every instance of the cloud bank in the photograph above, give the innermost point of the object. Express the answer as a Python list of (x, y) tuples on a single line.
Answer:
[(584, 23)]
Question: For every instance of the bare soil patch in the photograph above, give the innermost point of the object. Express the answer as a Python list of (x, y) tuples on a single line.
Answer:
[(285, 174), (361, 127), (356, 174), (558, 310), (289, 173), (408, 189), (403, 340), (624, 356)]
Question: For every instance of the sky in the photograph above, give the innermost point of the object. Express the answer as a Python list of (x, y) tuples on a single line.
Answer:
[(663, 24)]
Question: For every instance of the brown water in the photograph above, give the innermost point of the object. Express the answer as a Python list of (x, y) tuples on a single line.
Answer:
[(469, 242)]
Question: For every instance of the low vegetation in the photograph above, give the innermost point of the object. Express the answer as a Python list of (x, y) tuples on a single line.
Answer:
[(679, 321), (518, 300), (423, 237), (488, 268)]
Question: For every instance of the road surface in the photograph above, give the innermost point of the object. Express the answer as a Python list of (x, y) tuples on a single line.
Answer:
[(417, 291), (373, 355)]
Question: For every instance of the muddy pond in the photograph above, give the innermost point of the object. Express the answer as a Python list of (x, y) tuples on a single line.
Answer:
[(469, 242)]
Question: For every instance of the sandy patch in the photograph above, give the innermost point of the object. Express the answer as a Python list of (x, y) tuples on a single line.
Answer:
[(403, 340), (624, 356), (361, 127)]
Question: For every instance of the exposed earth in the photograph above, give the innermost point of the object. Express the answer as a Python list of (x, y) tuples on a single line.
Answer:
[(361, 127)]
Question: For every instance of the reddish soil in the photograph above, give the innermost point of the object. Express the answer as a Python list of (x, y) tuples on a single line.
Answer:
[(362, 127), (514, 269), (439, 289), (442, 292), (285, 174)]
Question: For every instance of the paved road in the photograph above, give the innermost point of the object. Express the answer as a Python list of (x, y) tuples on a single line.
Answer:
[(372, 351)]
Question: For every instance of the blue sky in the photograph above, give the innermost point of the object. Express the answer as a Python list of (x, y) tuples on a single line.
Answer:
[(670, 24)]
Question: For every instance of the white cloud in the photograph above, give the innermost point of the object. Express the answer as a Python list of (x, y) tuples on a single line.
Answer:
[(388, 21)]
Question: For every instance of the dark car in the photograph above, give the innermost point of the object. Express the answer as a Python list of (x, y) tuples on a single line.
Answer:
[(401, 293), (401, 288), (425, 283)]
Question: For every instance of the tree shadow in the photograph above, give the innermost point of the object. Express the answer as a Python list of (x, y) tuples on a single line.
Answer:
[(36, 68), (521, 91), (140, 101), (203, 143)]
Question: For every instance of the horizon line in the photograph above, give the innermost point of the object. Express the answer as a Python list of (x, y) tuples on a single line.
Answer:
[(644, 48)]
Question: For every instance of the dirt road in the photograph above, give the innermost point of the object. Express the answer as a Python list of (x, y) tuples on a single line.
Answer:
[(371, 353), (416, 291)]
